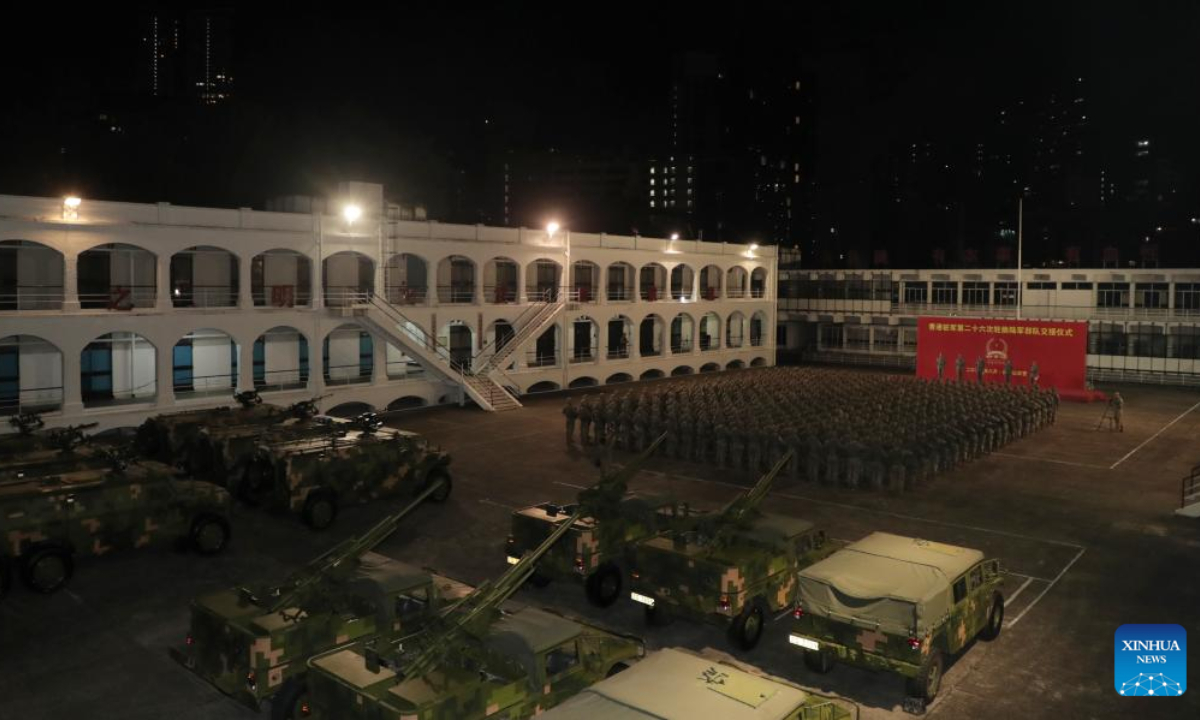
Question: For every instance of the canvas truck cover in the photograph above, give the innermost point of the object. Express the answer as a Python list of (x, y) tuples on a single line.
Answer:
[(674, 684), (895, 583)]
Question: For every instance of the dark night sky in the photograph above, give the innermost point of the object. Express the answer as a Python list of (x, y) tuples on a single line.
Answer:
[(385, 94)]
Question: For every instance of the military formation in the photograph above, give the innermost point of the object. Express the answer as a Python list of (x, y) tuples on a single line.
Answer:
[(842, 428)]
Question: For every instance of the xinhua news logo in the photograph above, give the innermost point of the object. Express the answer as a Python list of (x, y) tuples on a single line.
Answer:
[(1150, 661)]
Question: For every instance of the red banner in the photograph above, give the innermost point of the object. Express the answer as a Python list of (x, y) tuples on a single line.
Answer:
[(1006, 351)]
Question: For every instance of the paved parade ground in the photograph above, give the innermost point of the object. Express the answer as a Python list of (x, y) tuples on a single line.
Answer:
[(1081, 519)]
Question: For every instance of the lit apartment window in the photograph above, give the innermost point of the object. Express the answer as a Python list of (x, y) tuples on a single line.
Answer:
[(652, 193), (689, 203), (651, 171), (689, 191), (652, 181), (651, 203)]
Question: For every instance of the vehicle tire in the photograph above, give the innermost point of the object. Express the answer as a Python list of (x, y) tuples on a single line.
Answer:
[(604, 586), (5, 575), (210, 534), (320, 509), (47, 569), (995, 619), (616, 668), (927, 682), (819, 661), (291, 702), (747, 627), (443, 493)]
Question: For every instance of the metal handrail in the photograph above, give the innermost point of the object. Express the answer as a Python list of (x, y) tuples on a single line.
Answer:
[(538, 304)]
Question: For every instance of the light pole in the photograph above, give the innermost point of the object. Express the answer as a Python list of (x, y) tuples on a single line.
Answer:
[(1020, 247)]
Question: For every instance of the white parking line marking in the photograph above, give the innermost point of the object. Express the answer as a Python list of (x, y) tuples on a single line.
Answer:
[(493, 503), (1020, 575), (1160, 432), (1013, 597), (1051, 460), (571, 485), (1046, 589)]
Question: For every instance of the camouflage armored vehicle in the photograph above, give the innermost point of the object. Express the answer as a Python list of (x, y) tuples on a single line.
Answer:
[(252, 643), (47, 521), (734, 567), (678, 684), (596, 549), (221, 454), (899, 604), (316, 475), (473, 662), (169, 437)]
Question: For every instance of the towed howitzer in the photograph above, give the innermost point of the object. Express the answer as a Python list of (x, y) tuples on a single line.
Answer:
[(305, 409), (66, 439), (27, 423)]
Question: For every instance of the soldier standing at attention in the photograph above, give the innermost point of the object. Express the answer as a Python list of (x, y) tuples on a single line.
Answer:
[(722, 443), (572, 413), (941, 365), (1118, 405), (585, 421), (960, 367), (1008, 372), (1034, 371), (979, 366)]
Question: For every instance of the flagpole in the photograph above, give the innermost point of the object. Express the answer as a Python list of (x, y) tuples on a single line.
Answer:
[(1020, 247)]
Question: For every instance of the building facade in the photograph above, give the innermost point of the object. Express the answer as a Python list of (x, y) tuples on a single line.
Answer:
[(110, 312), (1143, 324)]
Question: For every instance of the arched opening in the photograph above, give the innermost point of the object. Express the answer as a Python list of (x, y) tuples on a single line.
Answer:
[(584, 340), (497, 335), (500, 278), (682, 331), (203, 363), (585, 280), (710, 332), (31, 276), (401, 365), (758, 362), (116, 276), (456, 280), (31, 375), (349, 278), (350, 409), (460, 339), (280, 360), (408, 402), (618, 378), (736, 281), (406, 278), (545, 349), (348, 356), (543, 386), (683, 280), (758, 327), (710, 367), (735, 326), (652, 282), (619, 337), (204, 276), (652, 375), (117, 368), (681, 370), (710, 282), (735, 365), (542, 278), (758, 282), (650, 336), (620, 282), (583, 382), (281, 278)]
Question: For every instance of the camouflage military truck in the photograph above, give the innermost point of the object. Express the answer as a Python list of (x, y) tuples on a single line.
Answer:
[(252, 643), (476, 661), (732, 568), (169, 437), (899, 604), (221, 454), (316, 475), (678, 684), (47, 521), (597, 546)]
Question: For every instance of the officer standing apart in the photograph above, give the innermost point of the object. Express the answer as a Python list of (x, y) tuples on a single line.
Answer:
[(571, 413), (1008, 372), (979, 366), (941, 365), (1117, 405), (960, 367)]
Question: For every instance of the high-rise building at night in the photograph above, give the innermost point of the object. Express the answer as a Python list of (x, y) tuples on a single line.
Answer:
[(187, 54)]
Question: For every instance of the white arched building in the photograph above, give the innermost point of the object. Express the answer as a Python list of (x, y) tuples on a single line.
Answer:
[(110, 312)]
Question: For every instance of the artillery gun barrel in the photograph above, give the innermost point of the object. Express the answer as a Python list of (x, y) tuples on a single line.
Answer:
[(612, 488), (740, 507)]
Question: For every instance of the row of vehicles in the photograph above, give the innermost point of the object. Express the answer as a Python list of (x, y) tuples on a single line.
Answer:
[(66, 496)]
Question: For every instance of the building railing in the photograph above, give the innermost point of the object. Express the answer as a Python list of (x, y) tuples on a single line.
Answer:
[(283, 296), (405, 295), (206, 385), (404, 368), (1028, 312), (652, 352), (120, 297), (620, 294), (582, 355), (651, 294), (35, 399), (460, 293), (584, 294), (360, 374), (549, 292), (617, 353), (204, 296), (682, 295), (681, 347), (708, 343), (346, 295), (710, 293), (758, 292), (31, 297), (735, 293), (282, 379), (500, 294), (535, 359)]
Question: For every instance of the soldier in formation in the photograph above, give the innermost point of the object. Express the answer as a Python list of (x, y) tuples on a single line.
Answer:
[(845, 428)]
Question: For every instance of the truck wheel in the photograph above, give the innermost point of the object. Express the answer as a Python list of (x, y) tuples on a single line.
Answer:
[(47, 569), (747, 627), (927, 682), (616, 668), (320, 509), (291, 702), (604, 586), (443, 492), (210, 534), (819, 661), (5, 575), (995, 619)]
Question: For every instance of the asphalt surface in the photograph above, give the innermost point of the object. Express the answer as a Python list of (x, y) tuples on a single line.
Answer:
[(1081, 519)]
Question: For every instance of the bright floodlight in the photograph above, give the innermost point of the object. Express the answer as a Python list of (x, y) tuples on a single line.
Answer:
[(72, 202), (70, 207), (351, 213), (753, 246), (552, 228), (674, 236)]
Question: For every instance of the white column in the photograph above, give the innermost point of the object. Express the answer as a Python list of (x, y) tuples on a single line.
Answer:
[(245, 297), (70, 301), (431, 283), (379, 366), (164, 373), (245, 366), (162, 296), (522, 295), (478, 295), (72, 383)]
